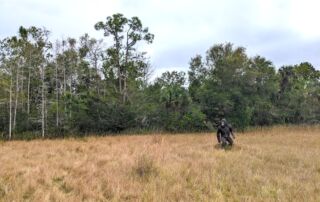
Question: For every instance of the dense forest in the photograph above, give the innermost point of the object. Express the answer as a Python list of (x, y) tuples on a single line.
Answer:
[(102, 86)]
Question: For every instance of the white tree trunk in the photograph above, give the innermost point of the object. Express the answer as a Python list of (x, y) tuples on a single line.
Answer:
[(64, 89), (124, 89), (10, 107), (21, 88), (120, 86), (28, 102), (70, 100), (57, 97), (64, 79), (43, 102), (16, 100)]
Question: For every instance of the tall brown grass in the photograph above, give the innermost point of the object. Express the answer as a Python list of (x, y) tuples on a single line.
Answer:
[(273, 164)]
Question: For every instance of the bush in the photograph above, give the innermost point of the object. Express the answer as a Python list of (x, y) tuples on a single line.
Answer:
[(193, 120)]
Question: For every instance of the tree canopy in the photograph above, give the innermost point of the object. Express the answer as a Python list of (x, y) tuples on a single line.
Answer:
[(87, 85)]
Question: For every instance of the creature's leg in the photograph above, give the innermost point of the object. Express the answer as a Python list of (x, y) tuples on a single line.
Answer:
[(219, 138), (223, 142), (229, 139)]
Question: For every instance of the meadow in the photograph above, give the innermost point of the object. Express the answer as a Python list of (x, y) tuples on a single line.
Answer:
[(269, 164)]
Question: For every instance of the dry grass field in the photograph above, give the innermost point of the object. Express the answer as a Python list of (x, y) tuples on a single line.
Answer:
[(274, 164)]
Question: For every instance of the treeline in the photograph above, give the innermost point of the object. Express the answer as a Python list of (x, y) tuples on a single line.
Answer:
[(82, 86)]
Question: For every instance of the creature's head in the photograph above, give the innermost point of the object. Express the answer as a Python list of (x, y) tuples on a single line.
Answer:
[(223, 122)]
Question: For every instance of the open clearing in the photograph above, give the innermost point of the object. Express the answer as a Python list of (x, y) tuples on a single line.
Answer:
[(274, 164)]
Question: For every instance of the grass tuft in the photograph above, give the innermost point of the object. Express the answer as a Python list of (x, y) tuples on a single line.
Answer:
[(65, 188), (2, 192), (28, 193), (145, 167), (157, 139)]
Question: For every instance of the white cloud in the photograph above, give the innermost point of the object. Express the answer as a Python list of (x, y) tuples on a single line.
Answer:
[(63, 17), (304, 18), (284, 31)]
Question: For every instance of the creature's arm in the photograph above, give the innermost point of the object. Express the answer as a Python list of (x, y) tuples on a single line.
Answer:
[(219, 135)]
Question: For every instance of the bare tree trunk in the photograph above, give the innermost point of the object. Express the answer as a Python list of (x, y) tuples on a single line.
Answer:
[(28, 86), (16, 100), (97, 81), (124, 71), (10, 107), (120, 85), (64, 78), (21, 89), (119, 66), (57, 97), (64, 89), (124, 89), (70, 100), (28, 102), (64, 68), (45, 113), (43, 101)]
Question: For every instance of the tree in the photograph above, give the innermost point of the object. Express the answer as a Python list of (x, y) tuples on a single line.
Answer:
[(197, 75), (299, 93), (43, 46), (7, 57), (175, 110), (123, 58), (230, 84), (266, 89), (227, 80), (91, 54), (84, 86)]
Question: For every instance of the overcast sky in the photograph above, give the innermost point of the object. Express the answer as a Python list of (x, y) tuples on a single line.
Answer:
[(284, 31)]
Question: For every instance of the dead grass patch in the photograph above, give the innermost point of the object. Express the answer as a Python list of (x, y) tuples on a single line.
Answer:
[(145, 167), (274, 164)]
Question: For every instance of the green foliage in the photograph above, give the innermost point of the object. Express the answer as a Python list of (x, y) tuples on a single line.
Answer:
[(193, 120), (92, 115), (123, 64), (248, 91), (86, 87), (298, 98), (170, 105)]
